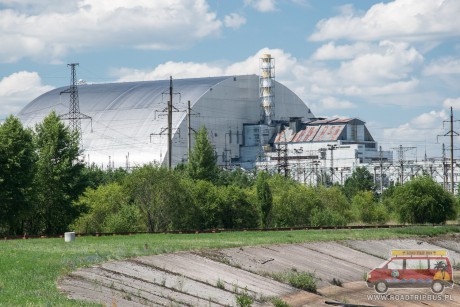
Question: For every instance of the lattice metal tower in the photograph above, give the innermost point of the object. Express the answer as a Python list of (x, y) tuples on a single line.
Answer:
[(74, 116), (267, 87)]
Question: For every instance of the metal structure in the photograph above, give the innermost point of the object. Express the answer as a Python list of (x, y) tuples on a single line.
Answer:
[(125, 116), (266, 88), (74, 116)]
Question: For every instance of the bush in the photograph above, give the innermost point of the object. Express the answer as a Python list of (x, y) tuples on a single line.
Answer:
[(422, 200), (366, 210), (327, 217)]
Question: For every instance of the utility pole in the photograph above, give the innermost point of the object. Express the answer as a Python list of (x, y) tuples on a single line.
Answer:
[(169, 113), (189, 129), (381, 171), (332, 147), (74, 116), (451, 133), (170, 104)]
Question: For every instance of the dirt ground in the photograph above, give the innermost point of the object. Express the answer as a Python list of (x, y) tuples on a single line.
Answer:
[(218, 277)]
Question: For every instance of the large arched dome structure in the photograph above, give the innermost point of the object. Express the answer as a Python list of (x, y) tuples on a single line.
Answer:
[(129, 120)]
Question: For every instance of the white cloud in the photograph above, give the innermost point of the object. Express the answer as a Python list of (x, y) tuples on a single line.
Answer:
[(443, 66), (262, 5), (422, 129), (284, 63), (86, 24), (18, 89), (416, 20), (234, 21), (387, 68), (178, 70), (332, 103), (330, 51), (452, 102)]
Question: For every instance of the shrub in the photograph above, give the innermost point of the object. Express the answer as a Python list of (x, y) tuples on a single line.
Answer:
[(326, 217)]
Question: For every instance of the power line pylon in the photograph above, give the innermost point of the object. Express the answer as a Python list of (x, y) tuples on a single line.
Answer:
[(74, 116), (401, 151), (451, 133)]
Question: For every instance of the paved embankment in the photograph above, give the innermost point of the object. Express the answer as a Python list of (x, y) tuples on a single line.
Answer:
[(215, 277)]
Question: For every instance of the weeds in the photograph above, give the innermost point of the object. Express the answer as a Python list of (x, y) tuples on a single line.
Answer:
[(244, 299), (300, 280), (279, 302), (220, 284)]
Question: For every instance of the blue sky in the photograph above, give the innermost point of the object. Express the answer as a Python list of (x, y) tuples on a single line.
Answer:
[(394, 64)]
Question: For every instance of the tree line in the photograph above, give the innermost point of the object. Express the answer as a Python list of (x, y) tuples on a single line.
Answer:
[(46, 189)]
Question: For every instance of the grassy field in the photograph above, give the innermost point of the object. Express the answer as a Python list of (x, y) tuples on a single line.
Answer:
[(30, 268)]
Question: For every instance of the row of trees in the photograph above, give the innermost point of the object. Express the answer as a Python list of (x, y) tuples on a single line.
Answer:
[(45, 189)]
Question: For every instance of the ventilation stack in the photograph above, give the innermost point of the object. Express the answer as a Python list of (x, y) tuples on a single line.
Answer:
[(267, 87)]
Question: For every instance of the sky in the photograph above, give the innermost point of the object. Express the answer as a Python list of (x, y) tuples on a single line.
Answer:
[(393, 64)]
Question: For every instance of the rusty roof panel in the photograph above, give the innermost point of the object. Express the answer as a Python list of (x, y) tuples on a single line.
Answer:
[(307, 134), (285, 136), (329, 133)]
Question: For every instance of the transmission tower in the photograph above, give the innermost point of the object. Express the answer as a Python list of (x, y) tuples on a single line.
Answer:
[(401, 151), (74, 116), (451, 133)]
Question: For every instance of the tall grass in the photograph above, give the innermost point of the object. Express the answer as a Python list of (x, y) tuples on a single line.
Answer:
[(30, 268)]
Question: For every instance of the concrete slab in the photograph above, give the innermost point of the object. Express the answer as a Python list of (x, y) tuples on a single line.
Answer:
[(214, 277)]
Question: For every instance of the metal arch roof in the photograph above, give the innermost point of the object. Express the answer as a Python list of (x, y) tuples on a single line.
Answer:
[(121, 96)]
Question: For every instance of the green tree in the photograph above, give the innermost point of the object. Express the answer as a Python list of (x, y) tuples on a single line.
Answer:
[(293, 203), (203, 164), (264, 197), (422, 200), (236, 177), (17, 167), (367, 210), (58, 179), (205, 212), (360, 180), (160, 197), (334, 208), (236, 209), (107, 210)]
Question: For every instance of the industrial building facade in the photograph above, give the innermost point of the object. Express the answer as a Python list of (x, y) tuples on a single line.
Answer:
[(252, 121)]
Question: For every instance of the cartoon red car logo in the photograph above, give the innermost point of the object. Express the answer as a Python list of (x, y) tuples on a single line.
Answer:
[(413, 269)]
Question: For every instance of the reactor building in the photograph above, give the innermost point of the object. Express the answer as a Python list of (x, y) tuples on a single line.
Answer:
[(252, 122)]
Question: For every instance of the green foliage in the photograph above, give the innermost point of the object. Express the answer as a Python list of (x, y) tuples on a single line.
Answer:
[(366, 210), (326, 217), (334, 199), (264, 197), (293, 203), (361, 180), (58, 179), (202, 164), (17, 166), (244, 299), (237, 211), (95, 176), (422, 200), (160, 197), (235, 177), (301, 280), (107, 210), (277, 302), (204, 204)]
